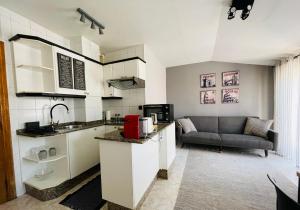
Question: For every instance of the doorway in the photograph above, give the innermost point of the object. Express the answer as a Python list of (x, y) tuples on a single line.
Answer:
[(7, 177)]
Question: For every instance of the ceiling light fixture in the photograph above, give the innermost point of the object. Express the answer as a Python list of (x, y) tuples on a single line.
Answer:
[(94, 22), (244, 5), (82, 18), (93, 25), (100, 31)]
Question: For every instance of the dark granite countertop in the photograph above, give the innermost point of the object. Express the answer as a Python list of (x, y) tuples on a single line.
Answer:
[(59, 129), (116, 135)]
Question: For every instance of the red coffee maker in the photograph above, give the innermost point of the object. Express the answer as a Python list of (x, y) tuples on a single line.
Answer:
[(131, 126)]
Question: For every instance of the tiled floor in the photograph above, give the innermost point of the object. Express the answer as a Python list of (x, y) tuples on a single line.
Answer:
[(162, 196)]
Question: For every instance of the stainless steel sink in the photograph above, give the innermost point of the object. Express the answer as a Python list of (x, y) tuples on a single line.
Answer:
[(68, 127)]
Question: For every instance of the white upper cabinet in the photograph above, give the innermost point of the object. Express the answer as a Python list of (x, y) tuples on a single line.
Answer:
[(94, 79), (131, 68), (136, 68), (107, 75), (69, 79)]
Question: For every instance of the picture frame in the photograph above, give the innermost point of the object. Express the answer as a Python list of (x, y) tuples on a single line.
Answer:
[(230, 96), (230, 78), (208, 97), (208, 80)]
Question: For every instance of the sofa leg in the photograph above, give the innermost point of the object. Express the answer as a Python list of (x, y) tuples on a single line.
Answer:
[(266, 153), (182, 145)]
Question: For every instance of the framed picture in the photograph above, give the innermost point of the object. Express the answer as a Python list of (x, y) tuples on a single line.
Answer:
[(208, 97), (208, 80), (230, 78), (230, 96)]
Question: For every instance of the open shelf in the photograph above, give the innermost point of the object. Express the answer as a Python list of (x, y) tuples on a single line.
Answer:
[(51, 180), (45, 94), (35, 67), (49, 159)]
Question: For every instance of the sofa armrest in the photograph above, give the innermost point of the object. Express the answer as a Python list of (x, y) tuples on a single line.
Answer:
[(273, 137), (179, 131)]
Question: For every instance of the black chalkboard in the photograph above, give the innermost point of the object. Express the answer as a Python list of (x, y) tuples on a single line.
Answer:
[(79, 74), (65, 73)]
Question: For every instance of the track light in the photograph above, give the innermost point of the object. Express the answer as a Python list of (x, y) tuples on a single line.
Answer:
[(244, 5), (93, 25), (231, 13), (100, 31), (82, 18), (94, 22)]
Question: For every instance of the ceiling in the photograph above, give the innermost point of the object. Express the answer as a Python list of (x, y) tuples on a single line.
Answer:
[(178, 31)]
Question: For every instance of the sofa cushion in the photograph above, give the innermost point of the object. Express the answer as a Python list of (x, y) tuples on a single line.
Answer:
[(201, 138), (205, 123), (245, 141), (187, 125), (232, 125), (258, 127)]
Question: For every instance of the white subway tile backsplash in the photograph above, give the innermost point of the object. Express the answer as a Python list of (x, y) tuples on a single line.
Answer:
[(26, 115), (43, 115)]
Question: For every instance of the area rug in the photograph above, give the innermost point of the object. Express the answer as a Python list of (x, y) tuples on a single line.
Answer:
[(88, 197), (227, 180)]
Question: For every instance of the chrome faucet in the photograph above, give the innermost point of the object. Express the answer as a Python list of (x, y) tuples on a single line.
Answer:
[(51, 114)]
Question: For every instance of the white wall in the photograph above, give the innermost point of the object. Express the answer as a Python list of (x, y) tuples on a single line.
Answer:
[(256, 90), (26, 109)]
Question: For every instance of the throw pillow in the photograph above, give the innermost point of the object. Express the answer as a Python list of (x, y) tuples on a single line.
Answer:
[(187, 125), (258, 127)]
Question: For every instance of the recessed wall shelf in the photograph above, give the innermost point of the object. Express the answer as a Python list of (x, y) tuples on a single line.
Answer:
[(112, 98), (48, 160), (56, 95), (37, 68)]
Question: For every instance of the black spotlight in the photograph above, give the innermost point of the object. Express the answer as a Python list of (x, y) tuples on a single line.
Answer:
[(82, 18), (231, 13), (244, 5)]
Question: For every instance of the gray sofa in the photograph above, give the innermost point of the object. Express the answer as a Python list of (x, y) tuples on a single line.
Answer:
[(227, 132)]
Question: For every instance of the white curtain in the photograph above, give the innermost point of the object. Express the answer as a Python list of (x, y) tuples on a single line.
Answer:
[(287, 108)]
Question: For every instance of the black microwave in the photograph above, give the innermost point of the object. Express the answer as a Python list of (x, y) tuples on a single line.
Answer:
[(165, 112)]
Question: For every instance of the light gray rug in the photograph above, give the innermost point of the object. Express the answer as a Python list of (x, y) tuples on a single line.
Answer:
[(228, 180)]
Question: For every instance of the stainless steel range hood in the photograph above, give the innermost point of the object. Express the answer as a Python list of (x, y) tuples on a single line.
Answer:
[(126, 83)]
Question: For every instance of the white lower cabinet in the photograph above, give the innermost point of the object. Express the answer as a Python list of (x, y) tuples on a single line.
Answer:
[(167, 146), (83, 150)]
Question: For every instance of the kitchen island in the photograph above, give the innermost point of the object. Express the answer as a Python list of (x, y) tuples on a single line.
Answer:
[(129, 167)]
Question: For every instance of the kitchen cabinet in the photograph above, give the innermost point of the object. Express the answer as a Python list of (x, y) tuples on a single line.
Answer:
[(167, 146), (136, 68), (131, 68), (34, 70), (107, 75), (127, 170), (83, 150), (65, 75), (94, 79)]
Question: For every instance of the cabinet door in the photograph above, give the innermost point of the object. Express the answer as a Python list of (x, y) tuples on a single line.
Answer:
[(83, 151), (135, 68), (107, 72), (118, 70), (131, 68), (94, 80), (64, 79), (167, 146)]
